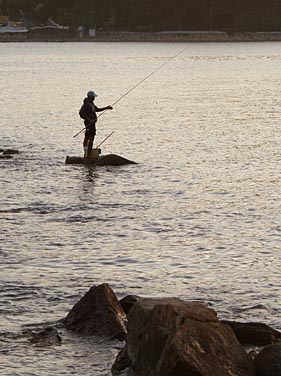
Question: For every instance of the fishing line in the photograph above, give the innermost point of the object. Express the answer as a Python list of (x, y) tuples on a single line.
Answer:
[(139, 83)]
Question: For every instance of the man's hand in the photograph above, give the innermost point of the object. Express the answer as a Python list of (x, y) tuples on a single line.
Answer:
[(109, 108)]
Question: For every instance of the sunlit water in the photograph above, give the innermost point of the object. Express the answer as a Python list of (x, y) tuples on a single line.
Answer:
[(198, 217)]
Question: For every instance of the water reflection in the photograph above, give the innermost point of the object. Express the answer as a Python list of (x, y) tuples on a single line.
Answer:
[(198, 217)]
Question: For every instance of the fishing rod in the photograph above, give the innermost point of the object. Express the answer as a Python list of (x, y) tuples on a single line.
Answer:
[(104, 140), (139, 83)]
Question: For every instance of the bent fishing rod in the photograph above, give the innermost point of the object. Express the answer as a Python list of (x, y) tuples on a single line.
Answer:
[(135, 86)]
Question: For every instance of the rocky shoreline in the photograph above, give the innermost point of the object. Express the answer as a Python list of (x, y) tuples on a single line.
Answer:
[(171, 337)]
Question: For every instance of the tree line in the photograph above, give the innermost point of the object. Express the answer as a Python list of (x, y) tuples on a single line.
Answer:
[(152, 15)]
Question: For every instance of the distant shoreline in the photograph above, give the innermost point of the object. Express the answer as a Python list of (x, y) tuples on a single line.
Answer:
[(192, 36), (188, 37)]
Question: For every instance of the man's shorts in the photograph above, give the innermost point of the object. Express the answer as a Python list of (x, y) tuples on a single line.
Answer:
[(90, 130)]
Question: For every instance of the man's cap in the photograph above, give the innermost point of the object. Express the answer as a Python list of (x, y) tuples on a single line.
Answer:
[(91, 93)]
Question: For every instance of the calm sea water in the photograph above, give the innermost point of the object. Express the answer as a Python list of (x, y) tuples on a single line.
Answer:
[(198, 217)]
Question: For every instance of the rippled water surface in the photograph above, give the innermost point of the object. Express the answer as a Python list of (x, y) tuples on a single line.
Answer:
[(198, 217)]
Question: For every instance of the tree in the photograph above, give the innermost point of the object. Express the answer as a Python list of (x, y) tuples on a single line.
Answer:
[(241, 15)]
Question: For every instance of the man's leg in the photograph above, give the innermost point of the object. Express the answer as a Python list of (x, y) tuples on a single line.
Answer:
[(90, 146), (85, 146)]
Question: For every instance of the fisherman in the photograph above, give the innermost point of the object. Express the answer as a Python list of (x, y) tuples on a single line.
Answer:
[(88, 113)]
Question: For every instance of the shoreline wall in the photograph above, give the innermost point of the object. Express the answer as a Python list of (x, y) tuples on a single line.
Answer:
[(190, 37), (70, 36)]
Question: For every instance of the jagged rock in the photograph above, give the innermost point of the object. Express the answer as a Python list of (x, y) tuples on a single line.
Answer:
[(128, 301), (268, 361), (99, 313), (257, 334), (47, 337), (169, 337)]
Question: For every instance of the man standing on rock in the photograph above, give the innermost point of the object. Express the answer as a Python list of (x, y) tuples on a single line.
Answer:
[(88, 113)]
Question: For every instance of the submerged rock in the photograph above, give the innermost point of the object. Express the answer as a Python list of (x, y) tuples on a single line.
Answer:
[(169, 337), (46, 337), (105, 160), (7, 153), (113, 160), (99, 313), (10, 151), (3, 156), (257, 334)]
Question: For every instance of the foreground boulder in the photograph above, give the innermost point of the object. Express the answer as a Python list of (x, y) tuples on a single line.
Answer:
[(268, 361), (256, 334), (99, 313), (169, 337)]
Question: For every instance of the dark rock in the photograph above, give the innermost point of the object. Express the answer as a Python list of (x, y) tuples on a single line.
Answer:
[(252, 354), (10, 151), (169, 337), (113, 160), (47, 337), (79, 160), (3, 156), (257, 334), (106, 160), (268, 361), (128, 301), (122, 362), (99, 313)]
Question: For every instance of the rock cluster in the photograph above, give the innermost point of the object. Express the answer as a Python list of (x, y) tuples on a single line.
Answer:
[(172, 337)]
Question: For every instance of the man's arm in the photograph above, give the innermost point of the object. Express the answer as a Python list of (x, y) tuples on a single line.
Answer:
[(100, 109)]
